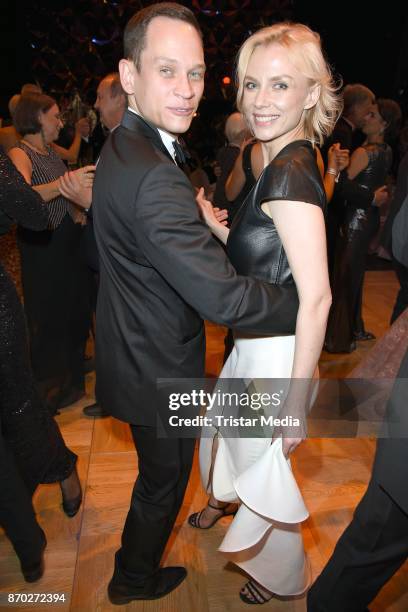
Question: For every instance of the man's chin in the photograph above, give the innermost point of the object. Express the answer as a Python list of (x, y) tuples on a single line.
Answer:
[(178, 125)]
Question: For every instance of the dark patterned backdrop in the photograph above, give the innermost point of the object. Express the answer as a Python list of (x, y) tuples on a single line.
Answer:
[(75, 43), (68, 45)]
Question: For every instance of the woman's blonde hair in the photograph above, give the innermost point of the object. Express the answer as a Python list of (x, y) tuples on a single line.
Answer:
[(304, 51)]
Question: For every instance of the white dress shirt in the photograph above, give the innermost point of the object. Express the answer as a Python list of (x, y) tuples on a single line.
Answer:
[(167, 138)]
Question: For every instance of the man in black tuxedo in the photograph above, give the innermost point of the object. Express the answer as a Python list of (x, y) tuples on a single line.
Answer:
[(161, 273), (375, 544)]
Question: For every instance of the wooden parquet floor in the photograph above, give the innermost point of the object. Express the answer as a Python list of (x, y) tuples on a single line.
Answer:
[(332, 474)]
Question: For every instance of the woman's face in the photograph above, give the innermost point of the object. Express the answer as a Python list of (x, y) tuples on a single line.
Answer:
[(51, 124), (275, 95), (374, 123)]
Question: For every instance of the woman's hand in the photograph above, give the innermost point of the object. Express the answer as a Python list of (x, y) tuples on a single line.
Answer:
[(213, 217), (246, 142), (292, 435), (380, 196), (221, 215), (84, 175), (337, 159), (78, 216), (82, 127), (76, 186), (289, 445)]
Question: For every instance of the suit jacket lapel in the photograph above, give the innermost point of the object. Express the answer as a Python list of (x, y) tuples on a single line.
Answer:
[(136, 123)]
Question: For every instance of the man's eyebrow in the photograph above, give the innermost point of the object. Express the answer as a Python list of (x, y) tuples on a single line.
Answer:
[(202, 66), (169, 60)]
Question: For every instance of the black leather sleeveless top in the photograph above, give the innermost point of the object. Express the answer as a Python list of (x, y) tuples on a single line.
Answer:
[(378, 167), (254, 247), (358, 218)]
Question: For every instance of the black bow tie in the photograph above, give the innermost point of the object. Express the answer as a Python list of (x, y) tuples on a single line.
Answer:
[(180, 153)]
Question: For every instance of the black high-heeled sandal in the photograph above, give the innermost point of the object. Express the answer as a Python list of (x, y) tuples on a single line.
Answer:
[(257, 598), (194, 519)]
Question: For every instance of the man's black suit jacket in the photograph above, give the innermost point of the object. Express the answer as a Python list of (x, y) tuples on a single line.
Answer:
[(391, 461), (161, 273)]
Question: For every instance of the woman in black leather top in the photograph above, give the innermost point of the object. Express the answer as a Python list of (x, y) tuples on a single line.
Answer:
[(245, 172), (369, 166), (288, 99)]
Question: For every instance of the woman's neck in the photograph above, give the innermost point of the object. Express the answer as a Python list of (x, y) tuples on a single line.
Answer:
[(374, 139), (271, 148), (36, 141)]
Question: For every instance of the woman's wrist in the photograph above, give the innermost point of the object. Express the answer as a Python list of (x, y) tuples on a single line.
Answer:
[(214, 226)]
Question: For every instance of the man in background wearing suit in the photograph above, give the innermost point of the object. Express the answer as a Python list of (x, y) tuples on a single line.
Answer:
[(375, 544), (110, 103), (161, 274)]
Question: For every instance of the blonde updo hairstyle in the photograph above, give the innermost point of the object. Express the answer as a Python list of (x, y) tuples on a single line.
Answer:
[(304, 50)]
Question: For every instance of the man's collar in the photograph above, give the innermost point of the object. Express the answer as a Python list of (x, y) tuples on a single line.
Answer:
[(167, 139), (351, 124)]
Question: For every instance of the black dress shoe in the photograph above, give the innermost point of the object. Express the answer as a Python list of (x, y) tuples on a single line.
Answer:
[(329, 348), (34, 571), (95, 410), (364, 335), (163, 582), (68, 397)]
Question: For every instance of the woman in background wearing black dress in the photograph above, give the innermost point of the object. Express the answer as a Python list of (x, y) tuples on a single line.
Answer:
[(39, 454), (369, 167), (55, 276)]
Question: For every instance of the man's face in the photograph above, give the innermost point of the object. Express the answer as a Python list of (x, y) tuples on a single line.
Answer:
[(106, 104), (362, 112), (169, 86)]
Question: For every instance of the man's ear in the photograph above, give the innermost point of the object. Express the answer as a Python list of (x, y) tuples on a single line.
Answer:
[(40, 117), (312, 96), (127, 71), (118, 101)]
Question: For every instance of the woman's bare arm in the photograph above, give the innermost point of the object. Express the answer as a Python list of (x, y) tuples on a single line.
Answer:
[(22, 162), (358, 162), (71, 155), (301, 228)]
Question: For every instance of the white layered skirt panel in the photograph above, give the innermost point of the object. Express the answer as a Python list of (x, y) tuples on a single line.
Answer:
[(264, 539)]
